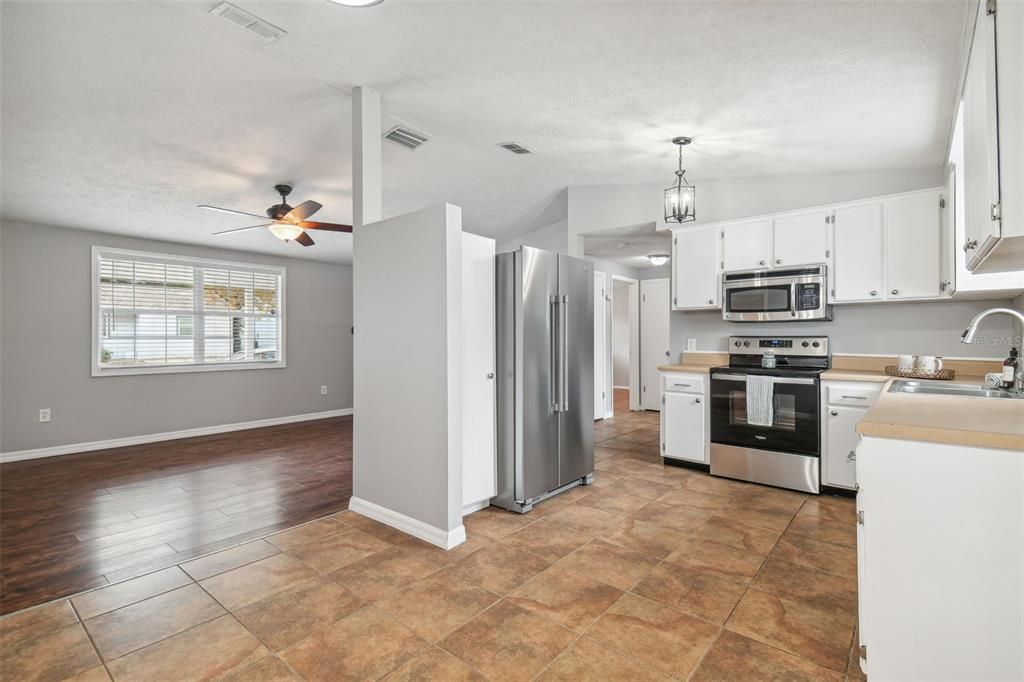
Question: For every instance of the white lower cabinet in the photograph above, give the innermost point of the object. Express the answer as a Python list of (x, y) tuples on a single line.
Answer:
[(845, 403), (684, 417)]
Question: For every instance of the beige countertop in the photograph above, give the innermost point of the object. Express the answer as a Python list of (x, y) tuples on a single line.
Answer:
[(686, 367), (953, 420), (855, 375)]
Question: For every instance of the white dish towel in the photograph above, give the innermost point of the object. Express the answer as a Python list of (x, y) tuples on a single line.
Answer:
[(760, 394)]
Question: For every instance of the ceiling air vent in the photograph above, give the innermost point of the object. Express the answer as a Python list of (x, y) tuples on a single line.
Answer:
[(236, 16), (405, 137), (514, 148)]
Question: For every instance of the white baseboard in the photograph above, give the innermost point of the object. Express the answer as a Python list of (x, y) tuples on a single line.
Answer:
[(73, 448), (424, 531), (475, 506)]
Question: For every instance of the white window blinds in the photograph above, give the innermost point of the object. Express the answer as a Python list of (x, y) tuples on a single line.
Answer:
[(168, 313)]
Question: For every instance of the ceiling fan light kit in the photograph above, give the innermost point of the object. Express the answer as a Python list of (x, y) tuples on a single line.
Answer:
[(288, 223)]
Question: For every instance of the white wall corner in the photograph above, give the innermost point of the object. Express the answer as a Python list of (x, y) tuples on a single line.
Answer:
[(445, 539)]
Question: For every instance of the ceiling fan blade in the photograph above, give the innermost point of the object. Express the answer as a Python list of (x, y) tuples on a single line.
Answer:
[(302, 211), (242, 229), (333, 227), (229, 210), (305, 239)]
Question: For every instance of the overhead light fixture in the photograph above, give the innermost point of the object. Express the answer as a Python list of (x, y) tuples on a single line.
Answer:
[(658, 258), (286, 232), (356, 3), (680, 198)]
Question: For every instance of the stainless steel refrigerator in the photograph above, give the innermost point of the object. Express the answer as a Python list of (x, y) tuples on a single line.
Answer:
[(545, 363)]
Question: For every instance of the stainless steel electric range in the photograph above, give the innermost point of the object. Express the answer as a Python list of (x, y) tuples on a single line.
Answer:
[(787, 452)]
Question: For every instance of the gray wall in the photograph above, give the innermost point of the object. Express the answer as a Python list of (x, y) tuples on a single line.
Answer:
[(925, 328), (45, 348), (407, 442)]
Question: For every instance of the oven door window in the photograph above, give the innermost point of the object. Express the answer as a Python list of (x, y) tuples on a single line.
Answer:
[(794, 426), (765, 299)]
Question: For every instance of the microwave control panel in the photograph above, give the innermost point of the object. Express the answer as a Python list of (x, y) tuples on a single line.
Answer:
[(808, 296)]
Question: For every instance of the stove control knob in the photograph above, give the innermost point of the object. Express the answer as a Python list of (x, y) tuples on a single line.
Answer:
[(805, 344), (737, 344), (746, 343), (815, 344)]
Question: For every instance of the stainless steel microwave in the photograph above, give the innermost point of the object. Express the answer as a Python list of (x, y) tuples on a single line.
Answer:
[(783, 295)]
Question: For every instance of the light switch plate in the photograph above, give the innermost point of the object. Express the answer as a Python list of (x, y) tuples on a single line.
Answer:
[(44, 415), (691, 344), (323, 390)]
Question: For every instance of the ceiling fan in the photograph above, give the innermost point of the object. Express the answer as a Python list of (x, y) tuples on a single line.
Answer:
[(287, 223)]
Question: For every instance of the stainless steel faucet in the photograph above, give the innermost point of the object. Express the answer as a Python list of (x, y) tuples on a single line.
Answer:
[(968, 336)]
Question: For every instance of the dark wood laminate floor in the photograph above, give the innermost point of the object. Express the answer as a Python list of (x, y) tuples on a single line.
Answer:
[(76, 522)]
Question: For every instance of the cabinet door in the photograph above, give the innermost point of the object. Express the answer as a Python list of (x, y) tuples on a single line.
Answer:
[(479, 461), (695, 272), (841, 444), (683, 427), (600, 346), (912, 235), (858, 272), (654, 339), (747, 245), (801, 239), (981, 159), (947, 238)]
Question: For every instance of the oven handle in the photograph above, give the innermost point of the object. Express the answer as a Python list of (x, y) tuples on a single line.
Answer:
[(778, 380)]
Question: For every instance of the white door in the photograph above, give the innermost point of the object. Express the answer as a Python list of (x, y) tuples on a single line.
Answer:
[(747, 245), (912, 235), (981, 159), (683, 423), (801, 239), (654, 339), (478, 428), (695, 272), (858, 273), (841, 446), (600, 345)]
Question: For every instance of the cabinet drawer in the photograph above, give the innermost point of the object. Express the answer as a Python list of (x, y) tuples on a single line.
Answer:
[(855, 394), (684, 383)]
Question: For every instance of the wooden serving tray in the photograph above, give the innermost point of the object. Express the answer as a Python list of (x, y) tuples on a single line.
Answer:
[(942, 374)]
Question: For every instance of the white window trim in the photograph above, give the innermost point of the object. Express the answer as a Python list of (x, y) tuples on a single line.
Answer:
[(131, 254)]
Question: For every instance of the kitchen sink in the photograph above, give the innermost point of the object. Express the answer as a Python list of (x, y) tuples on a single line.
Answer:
[(960, 390)]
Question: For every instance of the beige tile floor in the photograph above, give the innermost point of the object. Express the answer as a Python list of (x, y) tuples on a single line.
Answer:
[(652, 573)]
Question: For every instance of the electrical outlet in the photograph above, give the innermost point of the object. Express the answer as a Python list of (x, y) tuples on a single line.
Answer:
[(323, 390), (691, 344), (44, 415)]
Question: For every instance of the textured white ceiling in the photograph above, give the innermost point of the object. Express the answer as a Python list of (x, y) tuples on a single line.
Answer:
[(121, 116), (629, 245)]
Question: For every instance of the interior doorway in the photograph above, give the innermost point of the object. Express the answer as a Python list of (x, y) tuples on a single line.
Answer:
[(625, 345)]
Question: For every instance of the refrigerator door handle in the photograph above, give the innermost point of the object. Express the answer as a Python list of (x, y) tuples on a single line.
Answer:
[(554, 385), (563, 339)]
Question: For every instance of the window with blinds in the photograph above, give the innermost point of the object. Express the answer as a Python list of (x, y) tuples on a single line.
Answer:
[(162, 313)]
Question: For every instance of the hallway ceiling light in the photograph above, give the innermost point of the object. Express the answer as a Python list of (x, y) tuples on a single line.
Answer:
[(658, 258), (680, 198), (356, 3)]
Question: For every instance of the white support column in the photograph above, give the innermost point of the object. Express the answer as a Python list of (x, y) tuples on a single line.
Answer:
[(366, 157)]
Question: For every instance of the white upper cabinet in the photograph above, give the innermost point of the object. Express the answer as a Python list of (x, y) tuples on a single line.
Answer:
[(993, 137), (858, 274), (912, 235), (801, 239), (695, 268), (747, 245)]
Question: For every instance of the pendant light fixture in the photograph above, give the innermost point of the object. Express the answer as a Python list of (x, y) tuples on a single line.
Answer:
[(658, 258), (681, 198)]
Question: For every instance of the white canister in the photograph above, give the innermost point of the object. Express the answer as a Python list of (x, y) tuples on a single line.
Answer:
[(906, 361)]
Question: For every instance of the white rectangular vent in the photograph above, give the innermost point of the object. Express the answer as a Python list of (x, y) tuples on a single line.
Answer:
[(405, 137), (514, 148), (237, 16)]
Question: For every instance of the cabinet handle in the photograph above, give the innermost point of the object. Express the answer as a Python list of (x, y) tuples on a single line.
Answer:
[(778, 261), (490, 375), (696, 400), (834, 413), (853, 397), (711, 301), (852, 457), (668, 353), (895, 291), (874, 292), (761, 262)]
